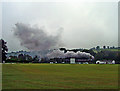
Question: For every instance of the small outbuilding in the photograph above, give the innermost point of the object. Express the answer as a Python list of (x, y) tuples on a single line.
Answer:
[(72, 60), (105, 62)]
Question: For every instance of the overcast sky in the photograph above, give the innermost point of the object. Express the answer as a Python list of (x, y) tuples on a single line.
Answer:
[(85, 25)]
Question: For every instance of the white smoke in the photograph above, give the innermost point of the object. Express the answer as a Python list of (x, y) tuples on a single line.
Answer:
[(56, 54), (60, 54)]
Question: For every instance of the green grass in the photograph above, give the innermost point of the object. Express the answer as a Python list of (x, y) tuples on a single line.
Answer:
[(96, 51), (60, 76)]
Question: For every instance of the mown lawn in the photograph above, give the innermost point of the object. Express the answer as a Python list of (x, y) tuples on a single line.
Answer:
[(60, 76)]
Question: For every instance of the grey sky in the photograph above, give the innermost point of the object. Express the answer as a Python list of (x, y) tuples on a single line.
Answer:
[(85, 25)]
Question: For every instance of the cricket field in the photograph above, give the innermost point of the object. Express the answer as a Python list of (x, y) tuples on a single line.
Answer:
[(59, 76)]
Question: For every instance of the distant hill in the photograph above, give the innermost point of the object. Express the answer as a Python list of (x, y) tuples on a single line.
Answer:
[(31, 53)]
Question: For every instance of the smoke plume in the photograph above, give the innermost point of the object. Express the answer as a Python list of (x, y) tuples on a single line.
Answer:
[(60, 54), (34, 38)]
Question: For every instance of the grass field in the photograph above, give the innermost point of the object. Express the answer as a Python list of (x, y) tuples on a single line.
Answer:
[(60, 76)]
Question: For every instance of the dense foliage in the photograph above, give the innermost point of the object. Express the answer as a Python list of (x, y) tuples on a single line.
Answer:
[(99, 54), (3, 50)]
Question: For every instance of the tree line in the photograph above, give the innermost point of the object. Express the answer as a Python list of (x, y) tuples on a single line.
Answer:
[(100, 55)]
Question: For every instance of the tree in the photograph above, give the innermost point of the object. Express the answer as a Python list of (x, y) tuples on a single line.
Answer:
[(85, 50), (63, 49), (21, 57), (28, 57), (75, 50), (104, 47), (99, 56), (36, 59), (98, 47), (3, 50), (89, 51)]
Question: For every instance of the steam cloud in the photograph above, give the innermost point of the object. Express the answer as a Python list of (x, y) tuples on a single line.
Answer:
[(34, 38), (60, 54)]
